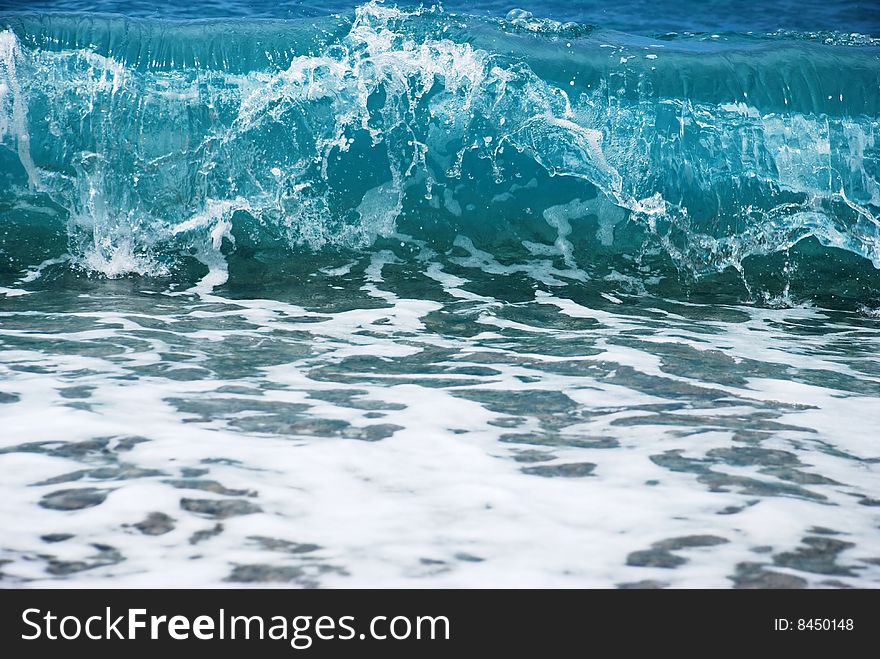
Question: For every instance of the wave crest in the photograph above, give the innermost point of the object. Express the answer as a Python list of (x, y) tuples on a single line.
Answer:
[(419, 123)]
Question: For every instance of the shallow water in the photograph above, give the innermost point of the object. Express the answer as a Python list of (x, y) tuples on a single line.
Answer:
[(454, 439), (641, 348)]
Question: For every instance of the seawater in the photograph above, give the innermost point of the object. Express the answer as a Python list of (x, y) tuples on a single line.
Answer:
[(462, 295)]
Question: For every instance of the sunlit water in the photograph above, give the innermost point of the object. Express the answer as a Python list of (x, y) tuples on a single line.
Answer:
[(639, 348), (354, 435)]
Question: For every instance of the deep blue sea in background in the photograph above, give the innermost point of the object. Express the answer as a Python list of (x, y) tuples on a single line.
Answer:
[(526, 293), (637, 16)]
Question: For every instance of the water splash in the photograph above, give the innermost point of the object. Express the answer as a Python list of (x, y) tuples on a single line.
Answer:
[(157, 147)]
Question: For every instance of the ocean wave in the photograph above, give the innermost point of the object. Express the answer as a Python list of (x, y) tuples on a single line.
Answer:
[(152, 141)]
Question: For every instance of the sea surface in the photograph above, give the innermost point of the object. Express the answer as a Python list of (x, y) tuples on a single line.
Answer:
[(480, 294)]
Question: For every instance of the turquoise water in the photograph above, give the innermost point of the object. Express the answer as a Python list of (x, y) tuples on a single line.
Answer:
[(462, 296)]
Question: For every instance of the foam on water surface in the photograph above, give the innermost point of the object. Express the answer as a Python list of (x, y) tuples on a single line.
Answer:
[(407, 297), (439, 441)]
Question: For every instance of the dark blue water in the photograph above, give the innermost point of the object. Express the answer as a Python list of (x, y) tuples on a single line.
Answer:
[(637, 16)]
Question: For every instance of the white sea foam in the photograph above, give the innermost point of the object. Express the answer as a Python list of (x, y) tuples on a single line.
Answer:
[(469, 483)]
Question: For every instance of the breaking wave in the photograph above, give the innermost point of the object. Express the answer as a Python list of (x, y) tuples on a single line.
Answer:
[(145, 144)]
